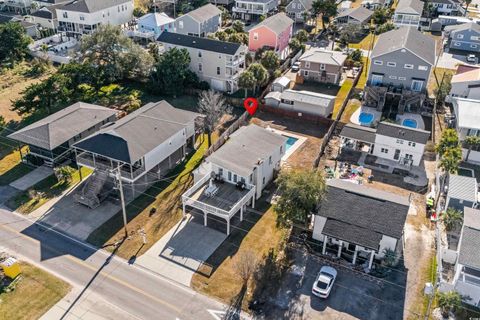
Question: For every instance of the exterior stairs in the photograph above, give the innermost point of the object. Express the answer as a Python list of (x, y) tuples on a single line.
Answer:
[(91, 193)]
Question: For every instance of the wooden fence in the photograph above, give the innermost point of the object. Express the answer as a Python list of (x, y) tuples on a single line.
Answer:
[(242, 120)]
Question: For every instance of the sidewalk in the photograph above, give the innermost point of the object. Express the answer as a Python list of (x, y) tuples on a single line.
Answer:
[(32, 178)]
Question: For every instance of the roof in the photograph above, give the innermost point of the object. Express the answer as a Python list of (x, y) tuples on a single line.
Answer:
[(319, 99), (58, 128), (246, 146), (401, 132), (283, 81), (357, 132), (410, 7), (462, 68), (464, 26), (446, 1), (324, 56), (204, 13), (199, 43), (361, 215), (138, 133), (360, 13), (406, 38), (467, 112), (471, 75), (43, 13), (461, 187), (155, 19), (89, 6), (469, 244), (278, 23), (54, 1), (471, 218), (307, 4)]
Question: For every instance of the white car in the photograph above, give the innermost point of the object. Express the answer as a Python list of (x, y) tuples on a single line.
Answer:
[(472, 58), (296, 66), (324, 282)]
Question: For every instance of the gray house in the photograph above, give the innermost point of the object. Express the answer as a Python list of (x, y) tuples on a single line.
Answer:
[(461, 192), (298, 9), (358, 16), (408, 13), (464, 36), (199, 22), (402, 58)]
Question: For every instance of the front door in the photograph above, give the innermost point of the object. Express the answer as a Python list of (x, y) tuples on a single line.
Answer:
[(377, 79), (396, 156)]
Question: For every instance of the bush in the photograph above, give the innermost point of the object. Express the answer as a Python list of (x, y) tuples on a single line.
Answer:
[(64, 174)]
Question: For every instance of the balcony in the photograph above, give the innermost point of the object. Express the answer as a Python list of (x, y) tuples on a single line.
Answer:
[(259, 11), (127, 171)]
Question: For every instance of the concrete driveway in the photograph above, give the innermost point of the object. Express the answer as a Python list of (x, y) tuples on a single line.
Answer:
[(182, 250), (32, 178), (451, 61)]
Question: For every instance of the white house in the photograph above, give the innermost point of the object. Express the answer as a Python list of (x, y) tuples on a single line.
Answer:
[(467, 123), (252, 10), (156, 23), (357, 221), (302, 102), (199, 22), (84, 16), (408, 13), (281, 83), (236, 174), (466, 85)]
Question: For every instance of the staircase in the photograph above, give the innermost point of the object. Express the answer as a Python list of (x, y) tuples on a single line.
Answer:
[(90, 195)]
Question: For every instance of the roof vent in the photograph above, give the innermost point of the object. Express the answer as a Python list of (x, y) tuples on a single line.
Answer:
[(194, 41)]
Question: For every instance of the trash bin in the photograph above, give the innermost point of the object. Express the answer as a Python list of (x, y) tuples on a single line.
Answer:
[(11, 268)]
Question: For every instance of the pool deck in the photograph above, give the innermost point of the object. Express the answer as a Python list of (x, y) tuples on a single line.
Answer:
[(355, 116), (294, 147), (413, 116)]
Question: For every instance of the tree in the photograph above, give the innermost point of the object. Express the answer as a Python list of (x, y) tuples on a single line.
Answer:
[(450, 160), (247, 81), (221, 35), (381, 15), (467, 3), (270, 60), (245, 265), (302, 35), (236, 38), (471, 141), (238, 26), (3, 124), (295, 45), (389, 257), (348, 33), (452, 219), (138, 12), (444, 88), (64, 174), (213, 106), (13, 42), (448, 301), (172, 71), (448, 140), (356, 55), (260, 74), (326, 8), (300, 191), (387, 26)]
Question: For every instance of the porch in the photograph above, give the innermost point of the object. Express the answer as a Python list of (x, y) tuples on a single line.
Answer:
[(353, 253), (219, 198)]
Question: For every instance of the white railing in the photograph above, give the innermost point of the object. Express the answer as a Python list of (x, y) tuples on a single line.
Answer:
[(244, 200)]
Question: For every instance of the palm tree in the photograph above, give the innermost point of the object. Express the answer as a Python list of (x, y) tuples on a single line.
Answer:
[(471, 141), (389, 257), (448, 301), (452, 219)]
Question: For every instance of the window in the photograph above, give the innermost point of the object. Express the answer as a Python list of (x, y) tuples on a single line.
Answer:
[(294, 6), (65, 15), (391, 64), (377, 79), (235, 178), (402, 78), (393, 77), (305, 73), (229, 176), (423, 68), (473, 46), (270, 160), (255, 36), (383, 150), (474, 38), (263, 181), (417, 85), (200, 69), (251, 178), (457, 44), (82, 18), (459, 36), (218, 70), (408, 156), (220, 172), (408, 66), (399, 141), (378, 62), (199, 54), (307, 64), (411, 144), (180, 24), (322, 66)]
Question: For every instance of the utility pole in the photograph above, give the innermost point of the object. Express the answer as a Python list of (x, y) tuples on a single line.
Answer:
[(122, 199)]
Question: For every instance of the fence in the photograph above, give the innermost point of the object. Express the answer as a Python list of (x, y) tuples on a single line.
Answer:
[(330, 131), (233, 127)]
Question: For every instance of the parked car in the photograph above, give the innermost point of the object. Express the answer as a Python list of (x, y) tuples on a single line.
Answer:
[(324, 282), (296, 66), (472, 58)]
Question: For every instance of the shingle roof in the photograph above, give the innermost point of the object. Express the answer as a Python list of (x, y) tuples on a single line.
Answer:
[(472, 75), (246, 146), (58, 128), (406, 38), (138, 133), (464, 26), (199, 43), (45, 14), (307, 4), (204, 13), (401, 132), (155, 19), (317, 55), (359, 214), (461, 187), (410, 7), (357, 132), (470, 242), (471, 218), (89, 6), (360, 13), (277, 23)]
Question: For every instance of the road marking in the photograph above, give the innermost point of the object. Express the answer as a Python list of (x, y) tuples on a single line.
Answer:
[(107, 275)]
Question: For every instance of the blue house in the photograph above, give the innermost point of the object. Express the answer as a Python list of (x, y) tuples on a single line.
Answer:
[(156, 22), (464, 37)]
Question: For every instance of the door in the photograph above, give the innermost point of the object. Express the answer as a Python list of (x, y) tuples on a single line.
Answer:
[(417, 85), (377, 79), (396, 156)]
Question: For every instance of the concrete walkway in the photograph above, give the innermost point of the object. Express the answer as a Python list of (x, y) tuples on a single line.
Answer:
[(182, 250), (32, 178)]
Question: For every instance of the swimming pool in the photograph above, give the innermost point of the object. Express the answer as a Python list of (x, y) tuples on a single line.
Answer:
[(290, 142), (365, 118), (409, 123)]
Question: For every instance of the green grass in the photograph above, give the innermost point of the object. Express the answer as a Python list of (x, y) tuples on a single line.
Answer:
[(362, 81), (48, 187), (364, 44), (11, 168), (341, 96), (349, 110), (35, 293)]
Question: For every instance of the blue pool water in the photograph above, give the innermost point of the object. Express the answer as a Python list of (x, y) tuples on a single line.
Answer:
[(290, 141), (409, 123), (365, 118)]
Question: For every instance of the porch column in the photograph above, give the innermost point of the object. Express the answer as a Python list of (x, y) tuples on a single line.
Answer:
[(228, 226), (183, 211), (205, 219), (193, 141), (339, 253), (241, 213), (169, 162), (355, 255), (324, 249), (253, 200), (370, 263)]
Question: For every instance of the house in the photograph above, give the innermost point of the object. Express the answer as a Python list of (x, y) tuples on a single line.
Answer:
[(408, 13), (274, 32), (466, 85), (252, 10), (51, 138), (302, 102), (374, 4), (467, 123), (156, 23), (298, 10), (30, 28), (17, 6), (360, 222), (359, 16), (322, 65), (236, 174), (344, 6), (467, 268), (448, 7), (462, 192), (140, 148), (281, 83), (84, 16), (45, 17), (49, 3), (464, 37), (217, 62), (199, 22)]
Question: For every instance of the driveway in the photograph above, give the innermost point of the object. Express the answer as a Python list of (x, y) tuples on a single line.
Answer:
[(451, 61), (32, 178), (179, 253)]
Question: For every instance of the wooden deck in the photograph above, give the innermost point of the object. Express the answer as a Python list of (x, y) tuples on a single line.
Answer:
[(225, 198)]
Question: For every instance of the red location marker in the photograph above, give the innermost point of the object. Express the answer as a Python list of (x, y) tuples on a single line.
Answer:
[(251, 105)]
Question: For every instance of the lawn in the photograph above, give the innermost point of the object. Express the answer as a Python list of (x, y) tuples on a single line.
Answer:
[(218, 276), (351, 107), (47, 189), (341, 96), (164, 198), (363, 77), (365, 43), (35, 293), (438, 72), (10, 166)]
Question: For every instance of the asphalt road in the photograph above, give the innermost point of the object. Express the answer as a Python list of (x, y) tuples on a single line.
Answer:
[(102, 283)]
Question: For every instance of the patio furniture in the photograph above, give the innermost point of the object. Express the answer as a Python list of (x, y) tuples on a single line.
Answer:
[(211, 190)]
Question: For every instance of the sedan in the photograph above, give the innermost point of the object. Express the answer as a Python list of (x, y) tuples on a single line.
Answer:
[(472, 58), (324, 282), (295, 66)]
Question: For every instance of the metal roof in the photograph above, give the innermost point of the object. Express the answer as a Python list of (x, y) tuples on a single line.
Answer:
[(323, 56), (409, 7), (204, 13), (463, 188), (360, 14), (360, 133), (277, 23)]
